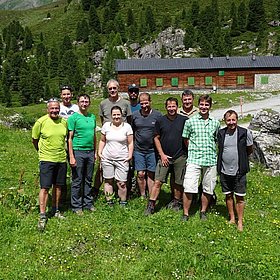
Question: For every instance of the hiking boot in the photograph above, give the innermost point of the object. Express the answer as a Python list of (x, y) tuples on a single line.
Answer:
[(203, 216), (42, 223), (150, 209), (185, 218), (123, 204), (174, 204), (58, 215)]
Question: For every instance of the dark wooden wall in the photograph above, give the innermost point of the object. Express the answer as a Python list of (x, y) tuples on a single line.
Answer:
[(228, 81)]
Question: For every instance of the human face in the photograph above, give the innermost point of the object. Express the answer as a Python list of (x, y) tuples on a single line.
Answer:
[(231, 121), (83, 103), (204, 108), (66, 96), (133, 95), (187, 101), (113, 90), (171, 108), (53, 110), (145, 104), (116, 116)]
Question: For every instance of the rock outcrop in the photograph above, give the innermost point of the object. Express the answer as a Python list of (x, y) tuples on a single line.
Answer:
[(266, 131)]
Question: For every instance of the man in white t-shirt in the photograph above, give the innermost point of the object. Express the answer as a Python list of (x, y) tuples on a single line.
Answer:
[(66, 107)]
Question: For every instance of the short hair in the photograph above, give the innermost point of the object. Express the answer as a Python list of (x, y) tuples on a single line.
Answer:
[(205, 97), (85, 95), (145, 94), (187, 92), (66, 87), (116, 107), (171, 99), (53, 99), (229, 113), (112, 81)]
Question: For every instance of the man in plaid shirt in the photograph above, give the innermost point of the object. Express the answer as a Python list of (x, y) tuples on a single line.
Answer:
[(200, 134)]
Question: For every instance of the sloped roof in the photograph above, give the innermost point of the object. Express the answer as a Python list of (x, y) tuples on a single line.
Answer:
[(204, 63)]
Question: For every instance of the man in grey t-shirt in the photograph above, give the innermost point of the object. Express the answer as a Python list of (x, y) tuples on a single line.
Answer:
[(235, 145)]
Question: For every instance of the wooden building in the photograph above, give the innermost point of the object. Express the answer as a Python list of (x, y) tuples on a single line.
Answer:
[(242, 72)]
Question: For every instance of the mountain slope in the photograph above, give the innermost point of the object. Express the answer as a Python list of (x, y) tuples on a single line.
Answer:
[(22, 4)]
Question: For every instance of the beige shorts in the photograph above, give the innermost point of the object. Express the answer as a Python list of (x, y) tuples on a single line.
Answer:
[(117, 169), (208, 178)]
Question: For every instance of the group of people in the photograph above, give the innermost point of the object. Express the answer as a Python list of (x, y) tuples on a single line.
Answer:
[(135, 137)]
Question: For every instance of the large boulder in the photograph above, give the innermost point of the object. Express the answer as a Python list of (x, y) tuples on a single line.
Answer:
[(266, 131)]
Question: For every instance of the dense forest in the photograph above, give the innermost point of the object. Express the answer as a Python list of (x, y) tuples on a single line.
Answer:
[(36, 60)]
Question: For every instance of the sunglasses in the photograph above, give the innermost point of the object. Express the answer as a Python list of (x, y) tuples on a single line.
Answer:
[(112, 88), (52, 100), (66, 87)]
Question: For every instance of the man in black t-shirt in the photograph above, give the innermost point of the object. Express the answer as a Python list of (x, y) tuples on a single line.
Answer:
[(172, 152)]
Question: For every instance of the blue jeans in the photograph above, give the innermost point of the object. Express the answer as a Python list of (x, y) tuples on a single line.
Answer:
[(81, 189)]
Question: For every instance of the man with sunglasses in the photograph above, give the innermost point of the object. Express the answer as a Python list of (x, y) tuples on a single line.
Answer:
[(48, 137), (66, 107), (133, 92)]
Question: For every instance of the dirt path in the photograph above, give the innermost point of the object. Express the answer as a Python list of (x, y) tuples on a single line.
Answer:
[(251, 108)]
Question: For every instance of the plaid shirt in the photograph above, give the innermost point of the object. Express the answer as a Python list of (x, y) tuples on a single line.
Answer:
[(202, 140)]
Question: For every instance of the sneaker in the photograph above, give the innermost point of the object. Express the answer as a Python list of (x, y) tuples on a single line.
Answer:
[(149, 210), (110, 203), (185, 218), (42, 223), (58, 215), (123, 204), (203, 216), (79, 212)]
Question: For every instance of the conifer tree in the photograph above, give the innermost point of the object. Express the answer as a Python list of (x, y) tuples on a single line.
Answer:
[(234, 28), (86, 4), (194, 13), (130, 20), (28, 39), (120, 27), (242, 14), (94, 21), (150, 20), (189, 37), (53, 62), (94, 42), (256, 16), (65, 45)]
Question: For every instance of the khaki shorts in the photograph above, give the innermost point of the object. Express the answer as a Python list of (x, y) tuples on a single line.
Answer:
[(117, 169), (208, 178), (178, 166)]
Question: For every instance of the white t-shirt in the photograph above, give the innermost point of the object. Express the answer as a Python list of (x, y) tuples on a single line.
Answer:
[(116, 146), (65, 112)]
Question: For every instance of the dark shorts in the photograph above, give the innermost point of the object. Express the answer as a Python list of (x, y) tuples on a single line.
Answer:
[(143, 162), (52, 173), (178, 166), (233, 184)]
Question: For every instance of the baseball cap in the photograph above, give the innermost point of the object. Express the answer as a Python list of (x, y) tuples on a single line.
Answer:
[(133, 87)]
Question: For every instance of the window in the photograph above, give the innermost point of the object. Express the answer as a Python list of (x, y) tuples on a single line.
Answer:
[(143, 82), (191, 81), (174, 82), (159, 82), (264, 80), (221, 73), (240, 80), (208, 81)]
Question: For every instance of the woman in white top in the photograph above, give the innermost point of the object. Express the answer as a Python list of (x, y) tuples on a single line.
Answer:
[(115, 151)]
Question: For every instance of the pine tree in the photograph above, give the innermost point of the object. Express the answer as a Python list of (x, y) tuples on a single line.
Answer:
[(130, 20), (96, 3), (194, 13), (120, 27), (94, 42), (278, 9), (228, 43), (242, 14), (256, 16), (86, 4), (53, 62), (189, 37), (166, 21), (28, 39), (150, 20), (94, 21), (234, 29), (65, 45)]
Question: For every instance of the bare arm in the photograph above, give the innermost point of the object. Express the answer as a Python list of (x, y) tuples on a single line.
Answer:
[(249, 150), (94, 145), (102, 143), (129, 119), (35, 143), (72, 159), (130, 147), (186, 142), (163, 156)]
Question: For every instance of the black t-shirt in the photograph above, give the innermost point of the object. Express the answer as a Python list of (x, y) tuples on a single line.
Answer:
[(170, 132)]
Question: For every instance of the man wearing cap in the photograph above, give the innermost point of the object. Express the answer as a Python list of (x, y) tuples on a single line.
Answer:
[(66, 107), (48, 137), (133, 92), (187, 109)]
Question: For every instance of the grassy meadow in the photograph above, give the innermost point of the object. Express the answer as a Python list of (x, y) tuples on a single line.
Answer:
[(116, 243)]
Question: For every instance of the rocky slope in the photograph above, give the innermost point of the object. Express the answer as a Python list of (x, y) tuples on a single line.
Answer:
[(22, 4)]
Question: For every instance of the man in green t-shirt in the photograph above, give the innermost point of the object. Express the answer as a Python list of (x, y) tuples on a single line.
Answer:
[(81, 145), (48, 137)]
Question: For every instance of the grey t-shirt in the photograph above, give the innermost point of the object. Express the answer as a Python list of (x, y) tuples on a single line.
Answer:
[(230, 152), (106, 106)]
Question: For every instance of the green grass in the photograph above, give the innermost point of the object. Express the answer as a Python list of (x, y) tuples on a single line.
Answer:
[(122, 243)]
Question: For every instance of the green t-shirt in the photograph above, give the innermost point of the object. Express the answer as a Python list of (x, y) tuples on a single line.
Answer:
[(51, 135), (84, 129)]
